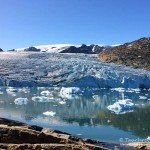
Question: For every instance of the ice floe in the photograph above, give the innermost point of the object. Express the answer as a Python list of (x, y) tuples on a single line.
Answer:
[(148, 138), (42, 99), (122, 106), (49, 113), (46, 93), (21, 101), (11, 90), (69, 92), (142, 97), (62, 102), (118, 89)]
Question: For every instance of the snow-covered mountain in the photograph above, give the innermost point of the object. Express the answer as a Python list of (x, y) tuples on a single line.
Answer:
[(65, 48)]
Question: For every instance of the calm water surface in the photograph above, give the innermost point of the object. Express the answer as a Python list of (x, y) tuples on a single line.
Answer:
[(84, 115)]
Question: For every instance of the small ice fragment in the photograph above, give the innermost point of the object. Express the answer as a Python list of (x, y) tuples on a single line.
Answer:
[(142, 97), (108, 121), (11, 89), (21, 101), (45, 93), (62, 102), (49, 113), (69, 92), (42, 99), (118, 89)]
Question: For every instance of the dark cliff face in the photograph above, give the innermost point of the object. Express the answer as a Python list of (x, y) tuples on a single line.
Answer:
[(135, 54), (92, 49), (32, 49), (1, 50)]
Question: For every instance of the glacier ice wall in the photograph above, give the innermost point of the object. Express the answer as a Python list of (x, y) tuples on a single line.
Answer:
[(75, 70)]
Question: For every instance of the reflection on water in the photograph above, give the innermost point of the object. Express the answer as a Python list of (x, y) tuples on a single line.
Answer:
[(83, 114)]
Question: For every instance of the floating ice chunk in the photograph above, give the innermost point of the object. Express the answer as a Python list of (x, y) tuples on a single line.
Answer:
[(142, 97), (25, 90), (41, 88), (119, 89), (11, 89), (49, 113), (68, 92), (122, 106), (148, 138), (1, 93), (95, 96), (21, 101), (108, 121), (79, 134), (42, 99), (62, 102), (123, 80), (47, 93)]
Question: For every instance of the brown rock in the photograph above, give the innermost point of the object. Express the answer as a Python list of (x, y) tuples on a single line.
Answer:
[(135, 54)]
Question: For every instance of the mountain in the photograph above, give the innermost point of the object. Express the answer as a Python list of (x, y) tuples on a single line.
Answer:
[(32, 49), (135, 54), (1, 50), (91, 49), (65, 48)]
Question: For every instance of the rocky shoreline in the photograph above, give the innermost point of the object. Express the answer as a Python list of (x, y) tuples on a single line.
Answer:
[(15, 135)]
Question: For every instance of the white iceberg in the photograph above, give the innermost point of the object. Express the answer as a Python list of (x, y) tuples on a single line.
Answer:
[(142, 97), (62, 102), (119, 89), (25, 90), (21, 101), (68, 92), (46, 93), (11, 90), (122, 106), (49, 113), (148, 138), (42, 99)]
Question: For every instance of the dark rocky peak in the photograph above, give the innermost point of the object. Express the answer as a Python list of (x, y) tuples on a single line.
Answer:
[(1, 50), (12, 50), (32, 49), (91, 49)]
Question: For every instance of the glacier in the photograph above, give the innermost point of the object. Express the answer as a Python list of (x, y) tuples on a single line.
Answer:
[(23, 69)]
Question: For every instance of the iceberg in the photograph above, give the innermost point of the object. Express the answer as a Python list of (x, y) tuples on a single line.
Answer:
[(11, 90), (69, 92), (142, 97), (42, 99), (62, 102), (21, 101), (46, 93), (122, 106), (49, 113)]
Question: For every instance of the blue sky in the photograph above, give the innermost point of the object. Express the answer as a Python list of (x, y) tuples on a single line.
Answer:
[(34, 22)]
